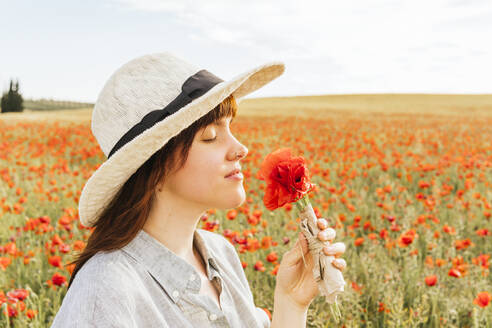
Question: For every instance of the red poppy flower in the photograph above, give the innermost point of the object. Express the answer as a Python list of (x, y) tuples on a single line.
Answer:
[(19, 294), (483, 299), (287, 178), (272, 257), (58, 279), (431, 280), (483, 232), (359, 241), (55, 261), (454, 273), (31, 313), (259, 266), (64, 248)]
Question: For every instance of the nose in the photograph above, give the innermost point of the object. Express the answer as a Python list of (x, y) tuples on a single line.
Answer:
[(237, 149), (239, 152)]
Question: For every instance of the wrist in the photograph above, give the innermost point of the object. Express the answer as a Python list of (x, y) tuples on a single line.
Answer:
[(287, 313), (285, 301)]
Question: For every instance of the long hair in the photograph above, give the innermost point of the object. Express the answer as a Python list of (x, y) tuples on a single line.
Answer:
[(129, 209)]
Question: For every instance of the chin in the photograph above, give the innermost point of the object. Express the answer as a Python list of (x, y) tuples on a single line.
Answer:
[(236, 202)]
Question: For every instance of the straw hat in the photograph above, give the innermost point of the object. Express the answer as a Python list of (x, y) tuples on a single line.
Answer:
[(145, 103)]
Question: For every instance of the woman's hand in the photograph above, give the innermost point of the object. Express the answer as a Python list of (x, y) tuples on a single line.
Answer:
[(296, 280)]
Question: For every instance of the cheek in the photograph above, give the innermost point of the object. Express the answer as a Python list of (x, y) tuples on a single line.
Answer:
[(201, 176)]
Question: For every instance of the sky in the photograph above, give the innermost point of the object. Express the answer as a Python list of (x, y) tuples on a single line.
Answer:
[(66, 50)]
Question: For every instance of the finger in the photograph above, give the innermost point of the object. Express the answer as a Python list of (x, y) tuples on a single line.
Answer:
[(327, 234), (322, 223), (335, 249), (340, 264)]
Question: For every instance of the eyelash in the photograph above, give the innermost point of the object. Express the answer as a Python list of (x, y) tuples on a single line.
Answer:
[(210, 140)]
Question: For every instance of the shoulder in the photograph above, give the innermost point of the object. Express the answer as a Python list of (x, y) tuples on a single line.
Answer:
[(103, 264), (104, 280), (106, 271)]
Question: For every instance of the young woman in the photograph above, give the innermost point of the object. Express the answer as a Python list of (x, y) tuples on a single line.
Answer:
[(165, 126)]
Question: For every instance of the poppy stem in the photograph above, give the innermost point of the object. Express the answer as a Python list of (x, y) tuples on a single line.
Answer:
[(335, 311), (302, 203)]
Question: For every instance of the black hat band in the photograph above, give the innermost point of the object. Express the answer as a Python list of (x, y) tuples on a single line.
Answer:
[(194, 87)]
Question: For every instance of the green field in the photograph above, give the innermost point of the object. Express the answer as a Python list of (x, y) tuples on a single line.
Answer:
[(406, 180)]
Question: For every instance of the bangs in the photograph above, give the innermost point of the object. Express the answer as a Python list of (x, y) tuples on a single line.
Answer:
[(227, 108)]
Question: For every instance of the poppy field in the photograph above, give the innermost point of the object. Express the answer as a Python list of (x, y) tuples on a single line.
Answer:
[(410, 196)]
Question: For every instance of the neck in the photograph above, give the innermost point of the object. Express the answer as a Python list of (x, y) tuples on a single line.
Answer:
[(174, 227)]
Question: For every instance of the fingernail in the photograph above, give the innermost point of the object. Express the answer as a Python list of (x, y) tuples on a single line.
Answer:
[(322, 223)]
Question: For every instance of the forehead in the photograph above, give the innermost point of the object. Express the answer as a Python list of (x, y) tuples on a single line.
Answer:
[(223, 120)]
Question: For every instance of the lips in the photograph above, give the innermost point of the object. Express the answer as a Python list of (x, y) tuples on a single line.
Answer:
[(233, 172)]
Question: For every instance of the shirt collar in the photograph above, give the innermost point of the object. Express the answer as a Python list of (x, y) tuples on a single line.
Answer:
[(172, 272)]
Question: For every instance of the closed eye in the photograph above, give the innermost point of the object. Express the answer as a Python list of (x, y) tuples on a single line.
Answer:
[(219, 124)]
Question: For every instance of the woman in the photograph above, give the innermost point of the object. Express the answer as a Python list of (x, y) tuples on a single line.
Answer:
[(165, 126)]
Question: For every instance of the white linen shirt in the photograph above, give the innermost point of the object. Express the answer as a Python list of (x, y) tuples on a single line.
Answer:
[(144, 284)]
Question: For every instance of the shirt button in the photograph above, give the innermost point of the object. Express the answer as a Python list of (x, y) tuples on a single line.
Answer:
[(213, 316), (192, 277), (175, 293)]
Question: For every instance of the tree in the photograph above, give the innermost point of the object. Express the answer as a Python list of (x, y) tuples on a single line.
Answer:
[(12, 100)]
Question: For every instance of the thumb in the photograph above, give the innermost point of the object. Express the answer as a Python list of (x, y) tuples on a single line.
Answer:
[(295, 254)]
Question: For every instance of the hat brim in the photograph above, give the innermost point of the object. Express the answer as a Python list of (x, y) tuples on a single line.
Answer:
[(105, 182)]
